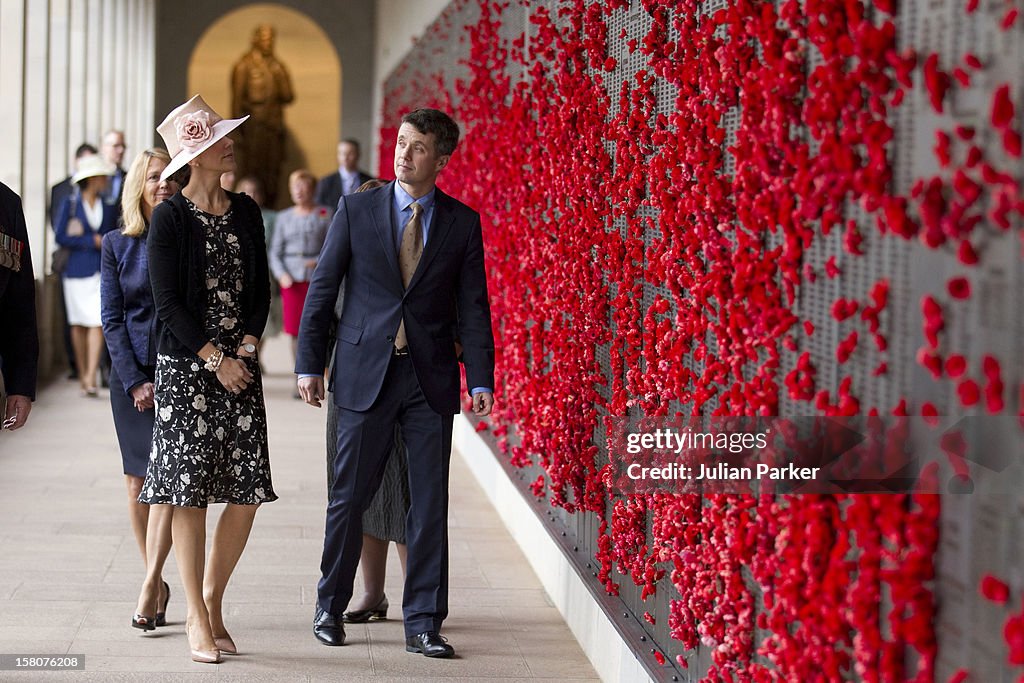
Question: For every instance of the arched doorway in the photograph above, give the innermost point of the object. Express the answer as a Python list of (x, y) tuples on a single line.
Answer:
[(302, 46)]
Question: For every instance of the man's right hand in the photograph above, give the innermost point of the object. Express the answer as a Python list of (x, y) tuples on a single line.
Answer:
[(311, 389)]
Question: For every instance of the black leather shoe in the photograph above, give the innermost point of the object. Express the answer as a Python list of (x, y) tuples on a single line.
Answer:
[(327, 628), (429, 644)]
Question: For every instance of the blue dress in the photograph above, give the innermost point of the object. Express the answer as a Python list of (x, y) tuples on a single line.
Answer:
[(129, 327)]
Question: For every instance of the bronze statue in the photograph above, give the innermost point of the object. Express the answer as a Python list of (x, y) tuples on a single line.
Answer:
[(260, 87)]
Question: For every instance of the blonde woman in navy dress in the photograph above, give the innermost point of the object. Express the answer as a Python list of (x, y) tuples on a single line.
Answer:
[(211, 285), (129, 326)]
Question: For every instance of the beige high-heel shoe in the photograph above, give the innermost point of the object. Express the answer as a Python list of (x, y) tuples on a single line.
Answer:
[(206, 656), (225, 645), (201, 656)]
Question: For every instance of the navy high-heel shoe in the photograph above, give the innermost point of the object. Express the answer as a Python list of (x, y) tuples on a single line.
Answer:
[(141, 621), (161, 616), (378, 612)]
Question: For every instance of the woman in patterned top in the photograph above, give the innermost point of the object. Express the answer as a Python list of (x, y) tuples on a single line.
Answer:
[(208, 269)]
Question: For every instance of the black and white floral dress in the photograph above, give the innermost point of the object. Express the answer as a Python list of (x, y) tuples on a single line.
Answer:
[(210, 445)]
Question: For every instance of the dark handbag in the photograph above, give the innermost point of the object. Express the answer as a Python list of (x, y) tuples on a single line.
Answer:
[(60, 260), (60, 257)]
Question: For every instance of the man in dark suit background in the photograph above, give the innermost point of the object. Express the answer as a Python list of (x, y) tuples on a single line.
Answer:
[(112, 149), (346, 180), (412, 261), (58, 193), (19, 338)]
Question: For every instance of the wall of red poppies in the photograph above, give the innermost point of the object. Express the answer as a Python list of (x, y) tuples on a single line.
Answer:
[(748, 208)]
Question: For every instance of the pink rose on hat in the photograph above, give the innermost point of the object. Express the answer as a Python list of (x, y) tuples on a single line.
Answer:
[(193, 129)]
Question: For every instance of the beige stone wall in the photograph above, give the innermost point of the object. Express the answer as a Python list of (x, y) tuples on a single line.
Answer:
[(69, 70), (399, 24)]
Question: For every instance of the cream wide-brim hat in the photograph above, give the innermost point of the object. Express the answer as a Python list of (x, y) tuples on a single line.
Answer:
[(90, 166), (191, 129)]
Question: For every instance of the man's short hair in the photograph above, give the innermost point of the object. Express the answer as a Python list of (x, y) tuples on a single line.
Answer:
[(351, 141), (85, 149), (445, 130)]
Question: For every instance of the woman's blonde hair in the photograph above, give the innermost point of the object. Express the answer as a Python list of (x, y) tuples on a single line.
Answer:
[(131, 197), (371, 184), (302, 174)]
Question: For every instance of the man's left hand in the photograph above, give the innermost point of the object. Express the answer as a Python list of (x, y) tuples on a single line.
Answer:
[(482, 403), (16, 412)]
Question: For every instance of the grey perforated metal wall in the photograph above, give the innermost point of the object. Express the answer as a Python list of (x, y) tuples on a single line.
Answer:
[(979, 534)]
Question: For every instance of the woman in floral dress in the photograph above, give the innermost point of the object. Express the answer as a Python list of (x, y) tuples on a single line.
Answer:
[(208, 270)]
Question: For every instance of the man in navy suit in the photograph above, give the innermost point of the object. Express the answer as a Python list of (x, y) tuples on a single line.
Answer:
[(412, 261), (345, 180), (19, 337)]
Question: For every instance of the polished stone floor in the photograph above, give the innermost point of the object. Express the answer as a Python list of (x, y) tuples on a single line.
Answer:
[(70, 568)]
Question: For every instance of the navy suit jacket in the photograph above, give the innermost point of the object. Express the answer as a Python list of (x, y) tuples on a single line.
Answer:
[(127, 308), (447, 292), (84, 260), (19, 337), (328, 190)]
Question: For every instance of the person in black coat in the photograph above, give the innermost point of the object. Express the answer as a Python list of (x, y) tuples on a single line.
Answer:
[(346, 180), (113, 149), (19, 337), (64, 189)]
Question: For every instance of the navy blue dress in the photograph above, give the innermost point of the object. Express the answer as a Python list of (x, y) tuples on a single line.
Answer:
[(129, 327)]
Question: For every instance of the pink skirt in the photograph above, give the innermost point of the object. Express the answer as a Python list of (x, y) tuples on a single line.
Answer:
[(292, 300)]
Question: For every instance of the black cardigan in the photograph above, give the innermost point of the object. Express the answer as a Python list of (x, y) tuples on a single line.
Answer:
[(177, 273)]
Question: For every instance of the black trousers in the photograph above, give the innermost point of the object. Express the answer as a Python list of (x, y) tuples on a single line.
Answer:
[(365, 441)]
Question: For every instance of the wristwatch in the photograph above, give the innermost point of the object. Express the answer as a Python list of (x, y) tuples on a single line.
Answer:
[(249, 349)]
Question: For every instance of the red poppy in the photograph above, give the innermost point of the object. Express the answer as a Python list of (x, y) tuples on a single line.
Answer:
[(936, 81), (959, 288), (966, 254), (968, 392), (1009, 19), (1002, 107), (1013, 632), (956, 365), (994, 589)]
